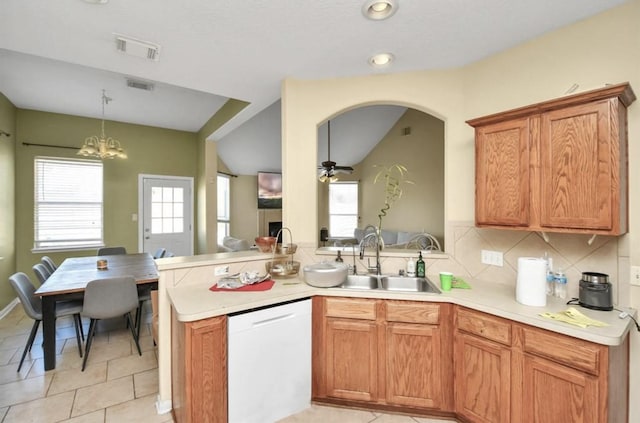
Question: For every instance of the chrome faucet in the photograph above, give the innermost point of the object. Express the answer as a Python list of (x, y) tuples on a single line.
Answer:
[(353, 253), (375, 234)]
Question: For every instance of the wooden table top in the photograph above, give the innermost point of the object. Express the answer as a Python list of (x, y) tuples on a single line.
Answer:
[(75, 273)]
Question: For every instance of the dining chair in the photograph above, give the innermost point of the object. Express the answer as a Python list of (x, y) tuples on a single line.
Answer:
[(111, 251), (46, 260), (160, 252), (42, 272), (108, 298), (32, 305)]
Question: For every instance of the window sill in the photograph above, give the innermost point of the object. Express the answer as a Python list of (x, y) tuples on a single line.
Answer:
[(66, 249)]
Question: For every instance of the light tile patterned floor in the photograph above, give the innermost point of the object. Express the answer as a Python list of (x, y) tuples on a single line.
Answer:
[(118, 385)]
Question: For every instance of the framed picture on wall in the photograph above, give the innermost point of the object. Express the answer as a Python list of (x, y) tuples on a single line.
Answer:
[(269, 190)]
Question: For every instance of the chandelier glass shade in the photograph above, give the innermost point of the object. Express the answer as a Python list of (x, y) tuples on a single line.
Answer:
[(102, 147)]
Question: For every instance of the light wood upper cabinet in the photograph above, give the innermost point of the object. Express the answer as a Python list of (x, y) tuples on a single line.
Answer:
[(502, 173), (557, 166)]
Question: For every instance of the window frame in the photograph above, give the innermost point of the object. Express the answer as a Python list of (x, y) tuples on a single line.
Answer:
[(227, 221), (65, 244), (332, 234)]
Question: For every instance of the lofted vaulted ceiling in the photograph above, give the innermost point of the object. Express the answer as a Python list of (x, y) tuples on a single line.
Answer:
[(57, 56)]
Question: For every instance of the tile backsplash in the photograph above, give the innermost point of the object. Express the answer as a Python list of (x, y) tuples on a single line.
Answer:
[(573, 253)]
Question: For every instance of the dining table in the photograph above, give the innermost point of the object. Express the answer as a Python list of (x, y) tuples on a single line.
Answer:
[(70, 279)]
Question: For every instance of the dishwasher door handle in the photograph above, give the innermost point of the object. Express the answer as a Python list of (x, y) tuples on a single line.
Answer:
[(272, 320)]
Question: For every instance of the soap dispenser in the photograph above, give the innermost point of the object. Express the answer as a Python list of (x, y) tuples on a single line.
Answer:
[(411, 268), (420, 268)]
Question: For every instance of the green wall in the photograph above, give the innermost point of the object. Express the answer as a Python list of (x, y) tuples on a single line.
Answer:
[(151, 150), (7, 199)]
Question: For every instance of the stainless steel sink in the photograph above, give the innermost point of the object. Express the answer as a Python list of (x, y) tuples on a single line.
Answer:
[(389, 283), (360, 282), (402, 283)]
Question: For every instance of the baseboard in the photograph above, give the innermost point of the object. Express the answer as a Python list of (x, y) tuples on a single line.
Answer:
[(9, 307), (163, 407)]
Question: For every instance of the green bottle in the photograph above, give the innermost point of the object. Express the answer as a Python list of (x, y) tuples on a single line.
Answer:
[(420, 266)]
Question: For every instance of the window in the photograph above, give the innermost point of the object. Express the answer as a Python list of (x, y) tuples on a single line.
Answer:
[(67, 204), (343, 209), (167, 210), (224, 208)]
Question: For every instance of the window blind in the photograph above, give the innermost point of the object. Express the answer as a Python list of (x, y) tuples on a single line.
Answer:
[(68, 203)]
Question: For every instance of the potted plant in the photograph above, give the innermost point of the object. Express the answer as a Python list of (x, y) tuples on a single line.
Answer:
[(393, 177)]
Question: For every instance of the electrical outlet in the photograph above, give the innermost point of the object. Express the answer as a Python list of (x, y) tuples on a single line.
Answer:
[(493, 258), (635, 275), (221, 270), (498, 258)]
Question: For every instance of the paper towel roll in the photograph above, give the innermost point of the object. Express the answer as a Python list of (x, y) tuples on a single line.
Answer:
[(531, 286)]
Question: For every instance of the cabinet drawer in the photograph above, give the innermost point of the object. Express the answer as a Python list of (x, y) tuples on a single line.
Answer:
[(351, 308), (413, 312), (485, 326), (572, 352)]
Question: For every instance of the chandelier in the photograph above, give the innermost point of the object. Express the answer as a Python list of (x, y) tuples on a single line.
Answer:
[(102, 147)]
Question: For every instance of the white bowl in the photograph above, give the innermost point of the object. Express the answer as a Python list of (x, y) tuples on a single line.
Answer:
[(325, 274)]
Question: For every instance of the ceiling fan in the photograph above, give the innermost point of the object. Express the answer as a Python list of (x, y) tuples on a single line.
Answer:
[(328, 168)]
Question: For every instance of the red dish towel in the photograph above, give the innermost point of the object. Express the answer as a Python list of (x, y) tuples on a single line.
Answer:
[(261, 286)]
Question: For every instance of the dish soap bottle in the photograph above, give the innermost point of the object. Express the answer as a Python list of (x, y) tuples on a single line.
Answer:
[(420, 269), (411, 268)]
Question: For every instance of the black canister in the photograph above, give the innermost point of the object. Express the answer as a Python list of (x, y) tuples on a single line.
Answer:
[(595, 291)]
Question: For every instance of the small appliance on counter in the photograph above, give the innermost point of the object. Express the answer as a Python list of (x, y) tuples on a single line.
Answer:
[(595, 291)]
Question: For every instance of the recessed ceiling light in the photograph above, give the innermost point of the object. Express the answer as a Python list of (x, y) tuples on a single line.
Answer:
[(379, 9), (381, 60)]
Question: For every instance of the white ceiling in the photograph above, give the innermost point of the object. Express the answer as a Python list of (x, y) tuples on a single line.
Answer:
[(57, 56)]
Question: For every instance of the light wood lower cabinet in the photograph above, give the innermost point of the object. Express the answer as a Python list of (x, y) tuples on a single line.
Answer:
[(352, 359), (199, 370), (414, 365), (483, 379), (388, 353), (555, 393), (511, 372)]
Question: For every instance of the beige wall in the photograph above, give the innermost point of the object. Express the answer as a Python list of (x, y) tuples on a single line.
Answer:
[(590, 53), (7, 194), (244, 207), (421, 208), (151, 150)]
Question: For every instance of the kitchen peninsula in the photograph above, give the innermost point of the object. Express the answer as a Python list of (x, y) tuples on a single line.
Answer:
[(474, 337)]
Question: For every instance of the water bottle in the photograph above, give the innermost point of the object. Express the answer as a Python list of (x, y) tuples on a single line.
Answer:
[(560, 284)]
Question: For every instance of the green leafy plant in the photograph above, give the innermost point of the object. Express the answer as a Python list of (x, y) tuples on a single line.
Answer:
[(393, 177)]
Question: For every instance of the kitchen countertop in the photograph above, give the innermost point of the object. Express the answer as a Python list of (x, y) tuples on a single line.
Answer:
[(197, 302)]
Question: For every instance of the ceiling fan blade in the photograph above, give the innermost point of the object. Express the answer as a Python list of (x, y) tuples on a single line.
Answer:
[(345, 168)]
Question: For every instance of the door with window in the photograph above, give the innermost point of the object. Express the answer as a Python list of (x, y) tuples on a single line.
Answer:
[(167, 214)]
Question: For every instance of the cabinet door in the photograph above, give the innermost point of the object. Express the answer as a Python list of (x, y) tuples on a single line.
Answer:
[(502, 173), (200, 370), (579, 168), (554, 393), (351, 359), (413, 365), (482, 380)]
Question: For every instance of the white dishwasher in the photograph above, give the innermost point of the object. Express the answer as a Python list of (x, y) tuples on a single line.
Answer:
[(269, 362)]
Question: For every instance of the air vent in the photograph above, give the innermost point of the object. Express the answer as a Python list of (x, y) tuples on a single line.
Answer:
[(138, 48), (140, 85)]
